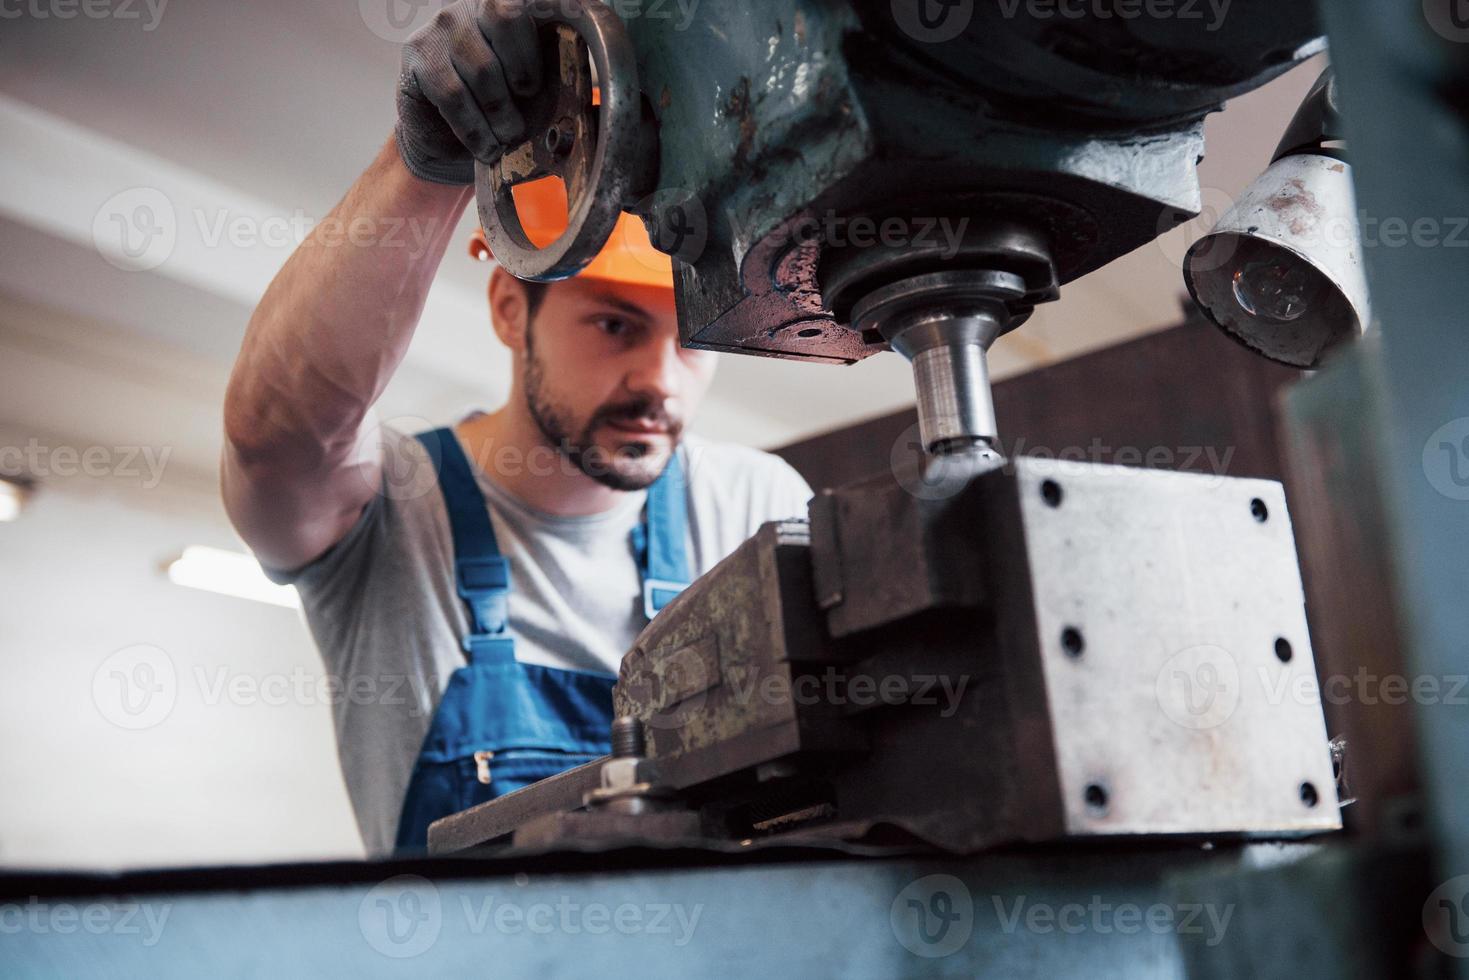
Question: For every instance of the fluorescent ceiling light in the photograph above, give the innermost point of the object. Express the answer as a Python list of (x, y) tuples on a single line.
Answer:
[(231, 573), (9, 501), (13, 494)]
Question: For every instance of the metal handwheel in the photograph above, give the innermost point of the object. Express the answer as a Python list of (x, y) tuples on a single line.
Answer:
[(602, 152)]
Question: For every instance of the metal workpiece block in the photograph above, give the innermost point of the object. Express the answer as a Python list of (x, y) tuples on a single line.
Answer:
[(1071, 651), (1132, 647), (709, 671), (895, 545), (1171, 656), (497, 819), (580, 829)]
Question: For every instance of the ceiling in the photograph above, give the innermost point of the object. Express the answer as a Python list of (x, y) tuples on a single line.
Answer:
[(247, 113)]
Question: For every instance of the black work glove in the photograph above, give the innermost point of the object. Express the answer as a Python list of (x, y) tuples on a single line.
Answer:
[(458, 88)]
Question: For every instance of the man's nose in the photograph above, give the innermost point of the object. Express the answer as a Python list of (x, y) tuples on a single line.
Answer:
[(657, 372)]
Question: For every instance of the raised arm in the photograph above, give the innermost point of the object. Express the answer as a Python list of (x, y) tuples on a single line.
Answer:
[(321, 346), (298, 465)]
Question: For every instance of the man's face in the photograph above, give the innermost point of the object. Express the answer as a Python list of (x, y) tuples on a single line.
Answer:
[(606, 379)]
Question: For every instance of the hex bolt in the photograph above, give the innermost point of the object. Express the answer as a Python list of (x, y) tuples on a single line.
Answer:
[(559, 138), (627, 738)]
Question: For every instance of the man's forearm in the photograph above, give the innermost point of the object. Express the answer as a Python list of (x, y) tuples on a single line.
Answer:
[(321, 346), (334, 324)]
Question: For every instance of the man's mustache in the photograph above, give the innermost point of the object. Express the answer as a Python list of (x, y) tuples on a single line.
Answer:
[(640, 411)]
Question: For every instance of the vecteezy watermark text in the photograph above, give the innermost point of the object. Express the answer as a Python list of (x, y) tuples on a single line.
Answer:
[(934, 916), (1202, 686), (410, 475), (1124, 918), (140, 228), (41, 461), (287, 231), (1448, 18), (942, 233), (1446, 458), (939, 477), (567, 917), (1212, 460), (1212, 12), (403, 916), (398, 20), (137, 688), (145, 920), (686, 677), (137, 10), (1366, 688), (301, 687), (844, 689)]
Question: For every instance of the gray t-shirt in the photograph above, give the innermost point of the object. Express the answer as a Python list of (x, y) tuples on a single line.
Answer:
[(382, 607)]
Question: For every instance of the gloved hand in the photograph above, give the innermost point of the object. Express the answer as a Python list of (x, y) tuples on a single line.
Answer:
[(457, 92)]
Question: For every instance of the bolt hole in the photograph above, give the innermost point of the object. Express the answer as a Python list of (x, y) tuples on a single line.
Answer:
[(1096, 797), (809, 332), (1283, 650), (1258, 508), (1051, 493), (1072, 642), (1309, 796)]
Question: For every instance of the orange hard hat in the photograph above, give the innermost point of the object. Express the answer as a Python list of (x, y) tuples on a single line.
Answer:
[(628, 257)]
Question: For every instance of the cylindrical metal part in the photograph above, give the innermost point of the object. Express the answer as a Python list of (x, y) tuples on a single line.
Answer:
[(955, 408), (627, 738), (944, 324)]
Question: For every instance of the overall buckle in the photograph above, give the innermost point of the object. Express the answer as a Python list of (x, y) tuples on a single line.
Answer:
[(658, 592), (484, 583)]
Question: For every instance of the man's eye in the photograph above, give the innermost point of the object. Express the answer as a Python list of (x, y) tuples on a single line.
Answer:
[(612, 326)]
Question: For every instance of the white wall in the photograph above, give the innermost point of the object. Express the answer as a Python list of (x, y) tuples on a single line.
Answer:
[(218, 778)]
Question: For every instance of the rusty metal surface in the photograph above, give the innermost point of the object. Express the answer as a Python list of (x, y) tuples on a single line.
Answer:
[(695, 675), (499, 817), (781, 123), (977, 723), (924, 558), (585, 829)]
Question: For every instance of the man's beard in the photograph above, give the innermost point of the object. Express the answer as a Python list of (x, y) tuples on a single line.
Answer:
[(627, 467)]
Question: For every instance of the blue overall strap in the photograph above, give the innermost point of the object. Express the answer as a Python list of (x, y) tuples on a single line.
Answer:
[(659, 542), (481, 573)]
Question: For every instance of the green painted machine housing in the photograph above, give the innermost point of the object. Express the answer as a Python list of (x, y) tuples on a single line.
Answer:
[(785, 121)]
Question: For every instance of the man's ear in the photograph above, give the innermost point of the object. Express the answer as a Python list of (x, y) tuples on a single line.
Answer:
[(509, 310)]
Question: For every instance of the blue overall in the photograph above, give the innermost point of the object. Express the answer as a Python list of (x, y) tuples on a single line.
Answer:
[(503, 724)]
